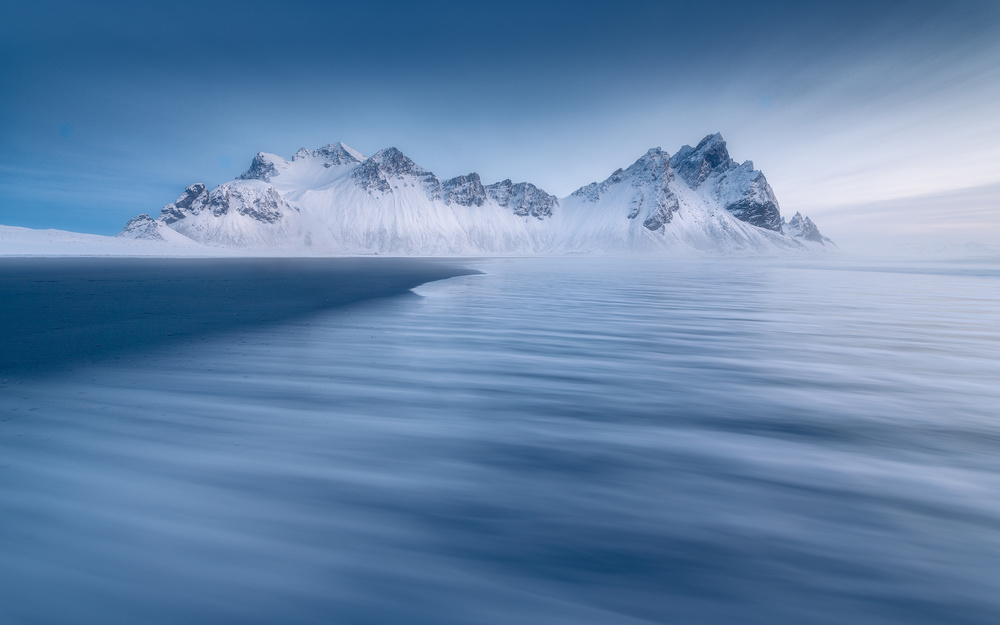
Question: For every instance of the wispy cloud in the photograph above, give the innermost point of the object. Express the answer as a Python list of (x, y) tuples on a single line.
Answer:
[(957, 216)]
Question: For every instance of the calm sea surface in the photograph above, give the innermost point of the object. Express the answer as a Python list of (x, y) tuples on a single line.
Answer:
[(558, 441)]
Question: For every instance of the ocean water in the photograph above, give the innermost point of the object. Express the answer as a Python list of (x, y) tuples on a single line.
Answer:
[(572, 440)]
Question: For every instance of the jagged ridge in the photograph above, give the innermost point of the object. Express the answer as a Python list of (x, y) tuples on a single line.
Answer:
[(335, 199)]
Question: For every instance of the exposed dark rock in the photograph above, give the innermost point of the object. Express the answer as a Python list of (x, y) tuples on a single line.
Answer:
[(392, 162), (741, 189), (190, 201), (369, 176), (464, 190), (666, 206), (636, 205), (523, 198), (266, 205), (190, 195), (653, 167), (650, 175), (375, 173), (261, 168), (142, 227), (594, 190), (745, 193), (697, 164), (757, 213), (332, 153)]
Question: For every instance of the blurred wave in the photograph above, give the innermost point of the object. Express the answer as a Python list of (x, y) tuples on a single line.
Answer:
[(555, 441)]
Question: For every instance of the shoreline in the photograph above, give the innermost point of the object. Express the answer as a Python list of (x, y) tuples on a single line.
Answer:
[(60, 312)]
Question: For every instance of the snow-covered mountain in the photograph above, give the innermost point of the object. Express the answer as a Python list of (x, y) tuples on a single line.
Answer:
[(804, 228), (335, 200)]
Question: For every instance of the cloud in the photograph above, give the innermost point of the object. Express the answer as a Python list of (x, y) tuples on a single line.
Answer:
[(837, 103), (958, 216)]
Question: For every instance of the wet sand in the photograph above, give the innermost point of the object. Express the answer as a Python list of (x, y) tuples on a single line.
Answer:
[(59, 313)]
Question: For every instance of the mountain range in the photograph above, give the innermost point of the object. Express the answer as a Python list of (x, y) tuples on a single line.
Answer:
[(335, 200)]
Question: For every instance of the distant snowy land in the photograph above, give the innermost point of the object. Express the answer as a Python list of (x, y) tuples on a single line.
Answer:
[(15, 241), (335, 201)]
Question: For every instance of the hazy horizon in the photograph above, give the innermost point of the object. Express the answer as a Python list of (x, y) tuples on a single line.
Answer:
[(878, 122)]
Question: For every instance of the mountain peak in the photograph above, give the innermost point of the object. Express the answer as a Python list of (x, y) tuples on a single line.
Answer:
[(392, 162), (711, 140), (709, 157), (376, 171), (652, 166), (804, 228), (263, 167), (652, 155), (464, 190), (338, 153), (142, 227), (192, 199), (388, 154)]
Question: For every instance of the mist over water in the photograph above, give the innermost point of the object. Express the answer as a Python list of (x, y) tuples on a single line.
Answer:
[(574, 440)]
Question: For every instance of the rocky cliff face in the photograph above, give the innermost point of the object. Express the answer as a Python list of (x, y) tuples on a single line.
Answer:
[(387, 169), (523, 198), (261, 168), (709, 158), (647, 182), (333, 154), (739, 188), (464, 190), (193, 198), (263, 204)]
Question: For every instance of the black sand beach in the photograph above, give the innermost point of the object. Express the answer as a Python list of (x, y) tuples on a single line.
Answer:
[(59, 312)]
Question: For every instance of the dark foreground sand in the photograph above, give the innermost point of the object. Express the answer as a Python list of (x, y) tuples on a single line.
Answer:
[(56, 313)]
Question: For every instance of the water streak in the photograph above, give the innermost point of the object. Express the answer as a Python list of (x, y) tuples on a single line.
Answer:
[(555, 441)]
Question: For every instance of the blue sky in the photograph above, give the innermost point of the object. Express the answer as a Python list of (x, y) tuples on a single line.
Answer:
[(855, 111)]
